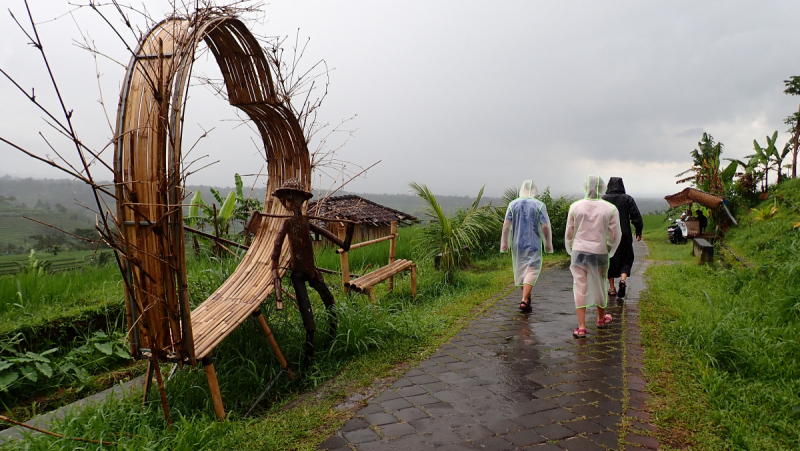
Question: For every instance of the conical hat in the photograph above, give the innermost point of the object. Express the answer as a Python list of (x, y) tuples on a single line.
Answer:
[(292, 185)]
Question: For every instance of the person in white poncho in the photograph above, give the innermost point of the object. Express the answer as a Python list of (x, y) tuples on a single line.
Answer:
[(592, 237), (526, 230)]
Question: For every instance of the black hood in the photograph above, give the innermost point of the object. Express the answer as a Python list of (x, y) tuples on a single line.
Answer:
[(615, 186)]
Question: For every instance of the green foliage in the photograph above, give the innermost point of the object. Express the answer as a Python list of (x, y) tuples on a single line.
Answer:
[(737, 326), (234, 207), (706, 167), (452, 237), (371, 340), (22, 373)]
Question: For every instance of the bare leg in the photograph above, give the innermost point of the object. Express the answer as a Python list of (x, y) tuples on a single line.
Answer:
[(601, 313), (611, 285), (581, 317), (526, 294)]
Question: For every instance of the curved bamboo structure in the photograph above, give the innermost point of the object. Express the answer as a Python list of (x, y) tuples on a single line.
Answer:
[(149, 186)]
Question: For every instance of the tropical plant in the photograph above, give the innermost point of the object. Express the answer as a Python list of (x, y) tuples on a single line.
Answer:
[(793, 89), (708, 174), (452, 237), (18, 370), (763, 157), (234, 207), (765, 213)]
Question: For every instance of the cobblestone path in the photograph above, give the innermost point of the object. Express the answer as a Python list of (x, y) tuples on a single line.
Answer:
[(518, 381)]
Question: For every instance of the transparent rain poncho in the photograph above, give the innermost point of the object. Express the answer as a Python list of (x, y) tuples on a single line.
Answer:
[(592, 237), (526, 230)]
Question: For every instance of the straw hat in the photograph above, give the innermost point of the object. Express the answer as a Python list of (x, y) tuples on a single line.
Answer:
[(290, 186)]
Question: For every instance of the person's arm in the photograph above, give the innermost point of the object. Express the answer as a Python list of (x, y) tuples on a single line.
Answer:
[(636, 218), (275, 258), (614, 233), (348, 235), (547, 231), (569, 235), (504, 238)]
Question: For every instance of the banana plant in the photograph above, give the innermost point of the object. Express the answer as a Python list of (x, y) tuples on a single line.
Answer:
[(762, 158), (778, 157)]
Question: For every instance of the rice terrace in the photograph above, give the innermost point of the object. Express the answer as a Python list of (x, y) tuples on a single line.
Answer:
[(219, 233)]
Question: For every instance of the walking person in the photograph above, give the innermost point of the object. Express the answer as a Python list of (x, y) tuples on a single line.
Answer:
[(526, 230), (592, 236), (622, 261)]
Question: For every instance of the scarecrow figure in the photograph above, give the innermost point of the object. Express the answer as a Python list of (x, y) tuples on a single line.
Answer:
[(292, 195)]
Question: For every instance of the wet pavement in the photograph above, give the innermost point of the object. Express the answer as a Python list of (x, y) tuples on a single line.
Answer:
[(519, 381)]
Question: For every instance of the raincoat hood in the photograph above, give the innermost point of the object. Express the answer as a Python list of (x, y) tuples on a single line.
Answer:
[(615, 186), (594, 187), (528, 190)]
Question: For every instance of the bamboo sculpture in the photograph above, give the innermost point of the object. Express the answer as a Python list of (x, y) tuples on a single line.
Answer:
[(150, 195)]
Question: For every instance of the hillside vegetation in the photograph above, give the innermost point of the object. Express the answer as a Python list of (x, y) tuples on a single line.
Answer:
[(730, 334)]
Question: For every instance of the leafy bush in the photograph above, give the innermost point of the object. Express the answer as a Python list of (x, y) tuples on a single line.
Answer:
[(24, 372)]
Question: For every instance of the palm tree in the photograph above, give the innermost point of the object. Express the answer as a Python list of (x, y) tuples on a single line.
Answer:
[(452, 236)]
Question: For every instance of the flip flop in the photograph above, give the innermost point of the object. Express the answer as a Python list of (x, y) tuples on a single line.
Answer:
[(579, 333), (525, 306), (621, 291), (603, 323)]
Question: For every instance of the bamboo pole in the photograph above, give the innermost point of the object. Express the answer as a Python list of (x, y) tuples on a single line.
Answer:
[(392, 251), (414, 281), (271, 339), (213, 385), (345, 270), (367, 243)]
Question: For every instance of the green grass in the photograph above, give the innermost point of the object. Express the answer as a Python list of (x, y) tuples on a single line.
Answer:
[(372, 340), (722, 346), (15, 230)]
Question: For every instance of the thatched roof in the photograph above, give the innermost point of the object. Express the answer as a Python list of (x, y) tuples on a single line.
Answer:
[(358, 209), (691, 195)]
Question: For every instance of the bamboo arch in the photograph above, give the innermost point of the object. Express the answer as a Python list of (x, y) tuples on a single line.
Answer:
[(149, 187)]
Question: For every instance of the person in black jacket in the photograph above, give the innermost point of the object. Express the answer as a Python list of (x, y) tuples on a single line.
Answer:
[(622, 261)]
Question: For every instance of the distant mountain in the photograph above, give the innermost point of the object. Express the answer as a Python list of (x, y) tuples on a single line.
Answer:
[(64, 200)]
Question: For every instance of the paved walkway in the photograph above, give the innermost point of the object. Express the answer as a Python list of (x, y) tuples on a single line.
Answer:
[(514, 381)]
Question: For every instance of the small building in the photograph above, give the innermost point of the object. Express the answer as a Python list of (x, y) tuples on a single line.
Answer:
[(374, 220)]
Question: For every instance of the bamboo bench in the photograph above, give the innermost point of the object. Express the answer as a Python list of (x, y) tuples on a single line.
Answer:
[(364, 283)]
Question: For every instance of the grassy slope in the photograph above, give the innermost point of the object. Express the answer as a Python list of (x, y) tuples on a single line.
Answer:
[(372, 342), (722, 345)]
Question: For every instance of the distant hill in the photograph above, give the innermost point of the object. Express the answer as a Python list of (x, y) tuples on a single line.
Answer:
[(60, 202)]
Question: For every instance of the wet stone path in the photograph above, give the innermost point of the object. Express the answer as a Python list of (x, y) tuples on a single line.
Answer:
[(516, 381)]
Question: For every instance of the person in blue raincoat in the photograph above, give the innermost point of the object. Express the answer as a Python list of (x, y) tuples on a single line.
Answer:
[(527, 231)]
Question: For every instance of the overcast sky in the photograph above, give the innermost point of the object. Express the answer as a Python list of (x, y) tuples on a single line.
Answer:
[(458, 94)]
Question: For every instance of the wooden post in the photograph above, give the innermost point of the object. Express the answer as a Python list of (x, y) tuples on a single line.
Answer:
[(213, 385), (392, 252), (371, 294), (414, 280), (345, 270), (274, 344), (148, 382)]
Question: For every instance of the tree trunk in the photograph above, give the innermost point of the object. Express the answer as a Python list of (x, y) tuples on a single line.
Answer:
[(794, 151)]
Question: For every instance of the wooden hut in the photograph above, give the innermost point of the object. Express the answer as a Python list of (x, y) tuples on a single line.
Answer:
[(374, 220)]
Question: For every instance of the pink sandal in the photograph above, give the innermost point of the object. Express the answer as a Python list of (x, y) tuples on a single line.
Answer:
[(579, 333), (603, 323)]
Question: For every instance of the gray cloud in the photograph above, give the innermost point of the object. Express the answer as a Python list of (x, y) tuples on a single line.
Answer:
[(461, 94)]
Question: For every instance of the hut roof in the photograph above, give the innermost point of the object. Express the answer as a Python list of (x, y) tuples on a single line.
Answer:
[(358, 209), (690, 195)]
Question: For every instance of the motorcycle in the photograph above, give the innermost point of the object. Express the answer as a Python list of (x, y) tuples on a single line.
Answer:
[(677, 232)]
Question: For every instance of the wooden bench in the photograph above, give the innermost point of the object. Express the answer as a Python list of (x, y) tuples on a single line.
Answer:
[(364, 284)]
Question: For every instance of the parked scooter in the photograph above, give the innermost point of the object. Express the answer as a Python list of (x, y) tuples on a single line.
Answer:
[(677, 232)]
